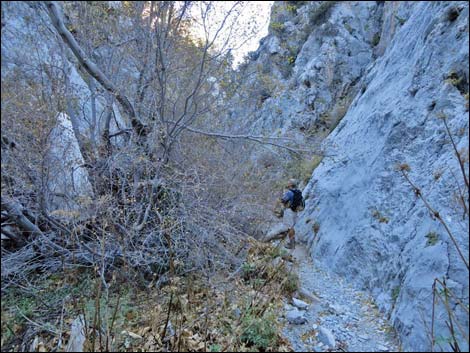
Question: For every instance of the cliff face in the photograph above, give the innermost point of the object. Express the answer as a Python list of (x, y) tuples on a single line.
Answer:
[(383, 72), (307, 70)]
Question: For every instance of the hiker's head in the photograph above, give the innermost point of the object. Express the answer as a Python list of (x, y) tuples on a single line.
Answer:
[(292, 184)]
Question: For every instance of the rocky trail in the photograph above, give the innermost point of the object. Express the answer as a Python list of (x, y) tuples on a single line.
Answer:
[(340, 318)]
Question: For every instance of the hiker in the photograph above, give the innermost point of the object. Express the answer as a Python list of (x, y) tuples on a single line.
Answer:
[(293, 203)]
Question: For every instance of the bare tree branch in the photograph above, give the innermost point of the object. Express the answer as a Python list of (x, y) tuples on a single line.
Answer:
[(259, 139)]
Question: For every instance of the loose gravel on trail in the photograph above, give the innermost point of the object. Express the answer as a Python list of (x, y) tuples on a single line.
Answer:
[(339, 317)]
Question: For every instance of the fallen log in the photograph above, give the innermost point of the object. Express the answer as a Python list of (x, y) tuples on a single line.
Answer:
[(16, 214), (278, 231)]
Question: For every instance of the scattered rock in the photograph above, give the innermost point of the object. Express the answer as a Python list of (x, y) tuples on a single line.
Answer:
[(295, 317), (237, 312), (305, 294), (276, 262), (381, 348), (338, 309), (326, 337), (299, 304), (131, 334), (337, 321), (77, 335), (363, 337)]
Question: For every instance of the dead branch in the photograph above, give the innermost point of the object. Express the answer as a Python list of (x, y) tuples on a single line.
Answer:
[(437, 215)]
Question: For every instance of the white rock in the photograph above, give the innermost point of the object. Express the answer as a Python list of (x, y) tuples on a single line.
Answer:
[(327, 337), (273, 45), (306, 294), (299, 304), (295, 317), (77, 335)]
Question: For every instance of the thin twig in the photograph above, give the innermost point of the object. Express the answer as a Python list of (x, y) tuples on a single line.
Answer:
[(437, 215), (459, 158)]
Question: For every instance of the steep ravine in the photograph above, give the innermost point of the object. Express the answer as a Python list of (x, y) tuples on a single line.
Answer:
[(370, 80), (386, 73)]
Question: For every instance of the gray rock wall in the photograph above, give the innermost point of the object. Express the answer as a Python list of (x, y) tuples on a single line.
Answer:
[(377, 74), (307, 70), (372, 228)]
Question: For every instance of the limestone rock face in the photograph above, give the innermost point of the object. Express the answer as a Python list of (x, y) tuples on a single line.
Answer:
[(372, 227), (307, 70), (376, 75)]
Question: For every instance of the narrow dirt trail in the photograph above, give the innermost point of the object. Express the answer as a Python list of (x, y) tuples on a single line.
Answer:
[(340, 318)]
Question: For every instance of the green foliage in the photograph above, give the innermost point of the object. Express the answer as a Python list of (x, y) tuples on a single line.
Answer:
[(41, 301), (433, 238), (302, 168), (293, 50), (258, 331), (316, 228), (375, 39), (215, 348), (379, 216), (248, 270), (228, 87), (400, 20), (290, 283), (15, 306), (395, 293), (277, 27), (319, 15), (291, 8), (348, 28), (291, 60)]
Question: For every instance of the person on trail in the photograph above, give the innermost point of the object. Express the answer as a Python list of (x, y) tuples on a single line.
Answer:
[(293, 203)]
